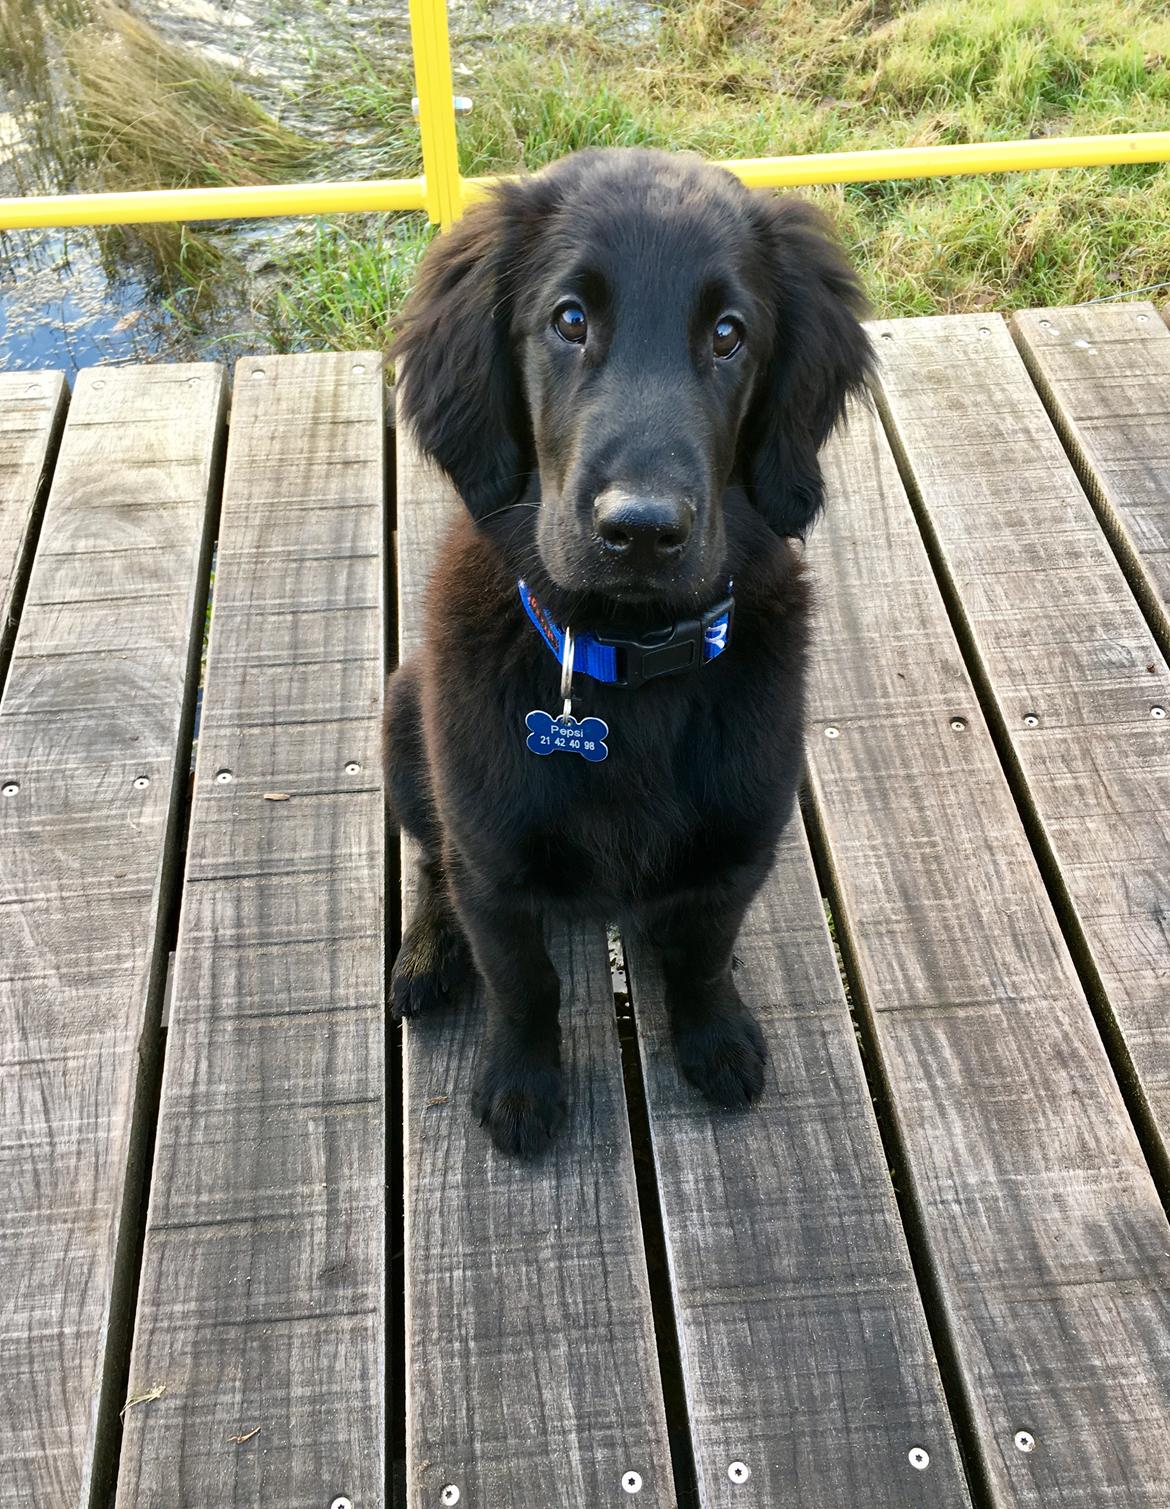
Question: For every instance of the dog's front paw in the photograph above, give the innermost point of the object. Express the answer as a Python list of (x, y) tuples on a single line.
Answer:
[(723, 1054), (432, 964), (521, 1103)]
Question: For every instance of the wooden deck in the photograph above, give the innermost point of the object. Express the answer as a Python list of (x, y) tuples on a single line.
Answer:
[(254, 1251)]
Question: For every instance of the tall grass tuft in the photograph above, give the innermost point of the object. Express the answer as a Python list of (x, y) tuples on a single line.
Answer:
[(154, 115)]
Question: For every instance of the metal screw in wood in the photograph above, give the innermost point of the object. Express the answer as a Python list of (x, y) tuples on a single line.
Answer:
[(739, 1472), (1025, 1441), (832, 731), (958, 724), (141, 782), (341, 1502), (1157, 712), (10, 788), (919, 1458), (352, 767), (450, 1494), (1031, 720), (632, 1482), (258, 372), (224, 776)]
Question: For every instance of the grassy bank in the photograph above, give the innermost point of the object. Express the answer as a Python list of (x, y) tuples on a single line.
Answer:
[(728, 79), (721, 77), (759, 77)]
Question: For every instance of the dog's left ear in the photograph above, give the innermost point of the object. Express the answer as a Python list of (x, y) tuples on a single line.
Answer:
[(821, 354)]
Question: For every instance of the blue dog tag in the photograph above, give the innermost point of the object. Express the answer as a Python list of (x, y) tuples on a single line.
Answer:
[(586, 738), (547, 735)]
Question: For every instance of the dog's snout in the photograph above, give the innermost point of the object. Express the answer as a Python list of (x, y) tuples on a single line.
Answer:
[(645, 532)]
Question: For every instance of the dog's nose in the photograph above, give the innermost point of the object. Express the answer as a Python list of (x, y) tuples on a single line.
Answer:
[(645, 531)]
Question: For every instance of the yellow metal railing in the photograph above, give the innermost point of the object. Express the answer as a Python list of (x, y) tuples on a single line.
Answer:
[(443, 193)]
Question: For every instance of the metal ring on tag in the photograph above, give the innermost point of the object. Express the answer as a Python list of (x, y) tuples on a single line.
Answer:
[(567, 672)]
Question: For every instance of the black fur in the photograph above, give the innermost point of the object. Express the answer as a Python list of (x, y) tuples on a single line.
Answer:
[(678, 827)]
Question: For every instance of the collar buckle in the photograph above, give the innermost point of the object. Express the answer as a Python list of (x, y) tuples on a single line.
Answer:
[(666, 652)]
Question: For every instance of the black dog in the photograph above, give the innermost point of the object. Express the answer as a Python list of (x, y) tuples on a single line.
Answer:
[(626, 364)]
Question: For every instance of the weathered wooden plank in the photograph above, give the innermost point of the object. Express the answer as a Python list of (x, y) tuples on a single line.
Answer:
[(261, 1305), (94, 738), (1104, 374), (532, 1375), (1078, 682), (32, 410), (804, 1344), (1043, 1230)]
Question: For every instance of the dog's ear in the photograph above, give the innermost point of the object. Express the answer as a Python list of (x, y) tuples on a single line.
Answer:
[(453, 355), (820, 355)]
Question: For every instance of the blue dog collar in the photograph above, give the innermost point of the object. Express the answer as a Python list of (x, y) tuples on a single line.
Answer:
[(630, 659)]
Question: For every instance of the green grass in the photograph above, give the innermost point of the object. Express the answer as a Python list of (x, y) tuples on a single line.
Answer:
[(343, 287), (726, 78), (772, 77)]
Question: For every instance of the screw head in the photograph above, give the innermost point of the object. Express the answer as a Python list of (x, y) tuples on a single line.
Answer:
[(632, 1482), (919, 1458), (1157, 711), (98, 382), (1046, 324), (1031, 720), (141, 782), (450, 1494), (352, 767), (341, 1502), (1143, 319), (10, 788), (887, 335), (1025, 1441), (739, 1472), (358, 368), (958, 724), (985, 330), (257, 374), (832, 731), (224, 777)]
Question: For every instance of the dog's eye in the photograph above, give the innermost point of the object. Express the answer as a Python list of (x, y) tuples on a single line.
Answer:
[(570, 323), (727, 337)]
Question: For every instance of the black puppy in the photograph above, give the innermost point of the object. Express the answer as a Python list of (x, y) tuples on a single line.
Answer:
[(626, 365)]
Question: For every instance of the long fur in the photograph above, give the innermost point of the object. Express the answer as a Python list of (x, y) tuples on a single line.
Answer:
[(677, 828)]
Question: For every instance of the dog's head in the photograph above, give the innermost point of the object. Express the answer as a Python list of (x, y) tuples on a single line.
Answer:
[(616, 340)]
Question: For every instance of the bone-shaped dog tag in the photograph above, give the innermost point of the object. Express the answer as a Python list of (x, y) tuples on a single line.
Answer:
[(565, 734), (548, 735)]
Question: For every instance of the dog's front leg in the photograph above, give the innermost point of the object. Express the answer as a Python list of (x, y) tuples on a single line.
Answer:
[(719, 1043), (518, 1094)]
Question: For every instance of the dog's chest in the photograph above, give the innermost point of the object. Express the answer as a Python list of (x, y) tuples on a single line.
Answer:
[(646, 821)]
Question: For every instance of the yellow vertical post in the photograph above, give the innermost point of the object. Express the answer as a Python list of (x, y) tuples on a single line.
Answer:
[(436, 110)]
